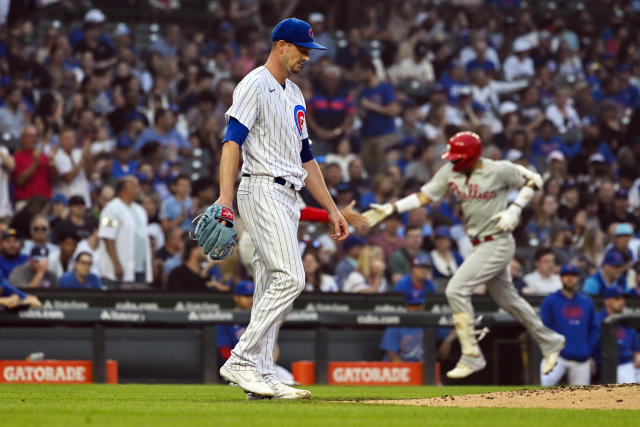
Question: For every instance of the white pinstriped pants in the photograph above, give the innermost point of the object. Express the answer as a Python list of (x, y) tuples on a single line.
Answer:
[(488, 263), (270, 214)]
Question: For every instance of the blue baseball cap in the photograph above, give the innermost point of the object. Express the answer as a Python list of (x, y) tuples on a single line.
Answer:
[(124, 141), (59, 198), (351, 242), (296, 31), (569, 268), (442, 231), (421, 260), (414, 297), (244, 288), (624, 229), (612, 292), (39, 252), (613, 258)]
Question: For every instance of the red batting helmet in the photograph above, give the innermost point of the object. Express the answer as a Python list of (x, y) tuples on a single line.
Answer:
[(463, 150)]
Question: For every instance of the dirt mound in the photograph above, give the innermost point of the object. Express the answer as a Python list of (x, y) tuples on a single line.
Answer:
[(623, 396)]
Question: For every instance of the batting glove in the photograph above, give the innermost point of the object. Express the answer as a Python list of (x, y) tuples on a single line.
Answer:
[(377, 213), (508, 219)]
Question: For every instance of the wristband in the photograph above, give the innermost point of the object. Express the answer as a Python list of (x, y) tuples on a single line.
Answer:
[(408, 203), (524, 196)]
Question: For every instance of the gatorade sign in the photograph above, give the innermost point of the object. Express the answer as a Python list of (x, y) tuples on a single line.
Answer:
[(53, 371), (375, 373)]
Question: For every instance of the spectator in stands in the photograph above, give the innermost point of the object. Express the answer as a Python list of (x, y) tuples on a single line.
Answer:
[(368, 278), (610, 275), (352, 246), (622, 241), (94, 42), (178, 209), (72, 165), (445, 260), (7, 164), (33, 173), (13, 114), (539, 227), (163, 132), (315, 279), (388, 239), (40, 231), (377, 105), (11, 297), (169, 256), (519, 65), (543, 280), (62, 262), (90, 245), (77, 220), (81, 276), (593, 248), (419, 278), (400, 261), (190, 275), (34, 273), (573, 315), (10, 256), (203, 191), (330, 112), (628, 342), (317, 22), (124, 163), (167, 45), (125, 249)]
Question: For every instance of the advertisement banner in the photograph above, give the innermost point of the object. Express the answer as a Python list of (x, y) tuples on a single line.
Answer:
[(53, 371), (375, 373)]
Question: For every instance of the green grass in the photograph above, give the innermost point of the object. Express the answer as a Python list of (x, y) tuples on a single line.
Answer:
[(224, 406)]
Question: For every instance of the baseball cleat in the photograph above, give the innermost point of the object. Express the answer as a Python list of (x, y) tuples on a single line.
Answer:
[(467, 366), (551, 359), (250, 381), (281, 391)]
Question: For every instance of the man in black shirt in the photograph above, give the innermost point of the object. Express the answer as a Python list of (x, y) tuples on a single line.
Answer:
[(190, 275)]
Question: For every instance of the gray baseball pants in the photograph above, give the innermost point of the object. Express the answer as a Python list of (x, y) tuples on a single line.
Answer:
[(488, 264)]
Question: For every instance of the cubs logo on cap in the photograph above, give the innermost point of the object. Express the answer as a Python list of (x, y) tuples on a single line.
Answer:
[(295, 31), (299, 115)]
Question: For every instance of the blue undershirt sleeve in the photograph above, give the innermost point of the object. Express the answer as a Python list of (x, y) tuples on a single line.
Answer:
[(306, 154), (236, 132)]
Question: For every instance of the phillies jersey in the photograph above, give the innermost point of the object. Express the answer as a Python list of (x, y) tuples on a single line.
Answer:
[(276, 119), (481, 195)]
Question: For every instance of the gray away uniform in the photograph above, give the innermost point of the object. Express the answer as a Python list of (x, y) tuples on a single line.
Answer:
[(481, 196)]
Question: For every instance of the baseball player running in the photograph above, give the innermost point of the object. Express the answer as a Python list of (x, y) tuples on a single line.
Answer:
[(481, 186), (267, 121)]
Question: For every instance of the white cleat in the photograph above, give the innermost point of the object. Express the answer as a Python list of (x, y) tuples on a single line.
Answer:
[(282, 391), (467, 366), (250, 381), (551, 359)]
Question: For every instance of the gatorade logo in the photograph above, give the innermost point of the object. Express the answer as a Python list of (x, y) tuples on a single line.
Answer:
[(299, 114), (227, 214)]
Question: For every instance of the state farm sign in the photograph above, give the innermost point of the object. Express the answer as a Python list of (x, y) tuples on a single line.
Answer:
[(375, 373), (53, 371)]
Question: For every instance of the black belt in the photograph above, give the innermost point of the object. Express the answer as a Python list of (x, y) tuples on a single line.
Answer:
[(278, 180)]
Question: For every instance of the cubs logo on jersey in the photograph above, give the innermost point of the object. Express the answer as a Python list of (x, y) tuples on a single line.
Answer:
[(299, 116)]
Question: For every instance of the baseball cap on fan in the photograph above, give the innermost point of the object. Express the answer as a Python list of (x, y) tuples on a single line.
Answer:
[(296, 31)]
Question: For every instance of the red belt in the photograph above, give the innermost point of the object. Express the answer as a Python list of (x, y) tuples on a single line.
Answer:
[(476, 242)]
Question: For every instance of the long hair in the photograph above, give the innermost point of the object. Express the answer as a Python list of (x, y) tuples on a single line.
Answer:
[(368, 254)]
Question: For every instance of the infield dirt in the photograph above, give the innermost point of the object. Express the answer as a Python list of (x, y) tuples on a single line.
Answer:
[(622, 396)]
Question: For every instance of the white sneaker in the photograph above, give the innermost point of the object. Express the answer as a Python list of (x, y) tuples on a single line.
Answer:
[(466, 366), (551, 359), (250, 381), (282, 391)]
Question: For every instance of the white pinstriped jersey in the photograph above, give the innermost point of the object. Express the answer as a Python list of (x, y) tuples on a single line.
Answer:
[(275, 117), (481, 196)]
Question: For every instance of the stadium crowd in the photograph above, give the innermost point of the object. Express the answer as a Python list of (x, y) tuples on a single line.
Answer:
[(110, 148)]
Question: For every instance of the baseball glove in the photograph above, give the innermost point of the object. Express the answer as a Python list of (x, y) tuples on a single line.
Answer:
[(216, 239)]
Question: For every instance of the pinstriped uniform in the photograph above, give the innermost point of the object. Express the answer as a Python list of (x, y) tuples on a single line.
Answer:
[(481, 196), (275, 118)]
